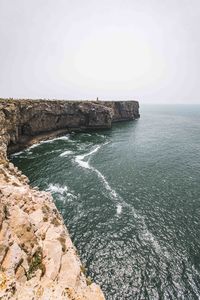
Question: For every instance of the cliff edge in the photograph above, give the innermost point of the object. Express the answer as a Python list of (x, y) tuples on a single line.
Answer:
[(37, 257)]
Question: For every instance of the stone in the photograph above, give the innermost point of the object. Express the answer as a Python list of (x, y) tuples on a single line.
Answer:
[(12, 259)]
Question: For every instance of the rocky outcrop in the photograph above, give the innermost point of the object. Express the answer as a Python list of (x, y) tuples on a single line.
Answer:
[(37, 257)]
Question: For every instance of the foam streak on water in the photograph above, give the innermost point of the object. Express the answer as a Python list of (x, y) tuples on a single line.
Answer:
[(85, 164), (132, 208), (66, 153), (56, 188), (145, 234), (61, 191), (146, 237), (16, 154), (62, 138), (28, 150)]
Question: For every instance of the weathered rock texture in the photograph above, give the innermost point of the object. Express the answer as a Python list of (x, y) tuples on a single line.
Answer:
[(123, 110), (37, 257), (25, 120)]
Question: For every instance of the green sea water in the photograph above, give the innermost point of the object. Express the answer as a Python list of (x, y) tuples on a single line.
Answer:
[(130, 197)]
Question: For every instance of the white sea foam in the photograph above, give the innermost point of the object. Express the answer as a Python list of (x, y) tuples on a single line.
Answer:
[(63, 191), (67, 152), (64, 138), (56, 188), (26, 151), (32, 147), (54, 151), (112, 192), (17, 153), (100, 135), (85, 164), (145, 235), (119, 209)]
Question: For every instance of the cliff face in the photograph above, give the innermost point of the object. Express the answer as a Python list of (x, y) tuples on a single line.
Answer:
[(37, 257), (26, 119), (29, 118), (123, 110)]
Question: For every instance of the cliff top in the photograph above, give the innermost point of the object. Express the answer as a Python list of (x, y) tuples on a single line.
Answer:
[(17, 100)]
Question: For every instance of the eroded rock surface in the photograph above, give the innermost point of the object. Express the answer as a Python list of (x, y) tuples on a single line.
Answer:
[(37, 257)]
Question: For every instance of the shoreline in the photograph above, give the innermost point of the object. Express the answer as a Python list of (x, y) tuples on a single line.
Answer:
[(38, 258)]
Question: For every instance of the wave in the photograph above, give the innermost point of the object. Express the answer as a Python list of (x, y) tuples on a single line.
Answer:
[(86, 134), (56, 188), (61, 190), (28, 150), (17, 153), (67, 152), (100, 135), (64, 138)]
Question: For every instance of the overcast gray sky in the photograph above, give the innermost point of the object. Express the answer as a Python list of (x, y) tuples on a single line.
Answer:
[(114, 49)]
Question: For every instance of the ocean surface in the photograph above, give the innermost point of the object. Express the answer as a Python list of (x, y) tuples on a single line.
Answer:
[(130, 198)]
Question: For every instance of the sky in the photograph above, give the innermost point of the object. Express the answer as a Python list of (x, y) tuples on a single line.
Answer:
[(147, 50)]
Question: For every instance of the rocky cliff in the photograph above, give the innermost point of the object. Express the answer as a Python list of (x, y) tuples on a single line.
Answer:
[(37, 257), (123, 110), (25, 120)]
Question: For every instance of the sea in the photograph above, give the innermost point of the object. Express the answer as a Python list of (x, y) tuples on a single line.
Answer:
[(130, 198)]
